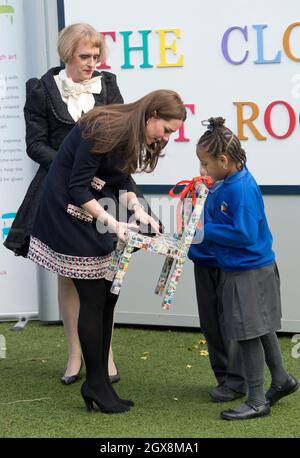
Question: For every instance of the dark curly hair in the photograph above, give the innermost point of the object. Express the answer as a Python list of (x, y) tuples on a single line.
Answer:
[(218, 139)]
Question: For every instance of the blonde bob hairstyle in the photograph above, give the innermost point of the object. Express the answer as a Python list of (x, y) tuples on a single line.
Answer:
[(70, 37)]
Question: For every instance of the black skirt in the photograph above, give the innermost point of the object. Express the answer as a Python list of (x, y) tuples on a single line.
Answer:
[(251, 302)]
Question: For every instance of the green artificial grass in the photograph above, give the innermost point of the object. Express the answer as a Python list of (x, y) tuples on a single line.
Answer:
[(162, 370)]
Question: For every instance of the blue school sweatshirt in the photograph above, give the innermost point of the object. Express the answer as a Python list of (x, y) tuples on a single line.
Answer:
[(202, 252), (239, 230)]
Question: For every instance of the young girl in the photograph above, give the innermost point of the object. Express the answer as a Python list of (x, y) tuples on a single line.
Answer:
[(224, 356), (242, 244)]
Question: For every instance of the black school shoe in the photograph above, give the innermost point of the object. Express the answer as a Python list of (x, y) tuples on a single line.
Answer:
[(252, 412), (275, 393), (223, 393)]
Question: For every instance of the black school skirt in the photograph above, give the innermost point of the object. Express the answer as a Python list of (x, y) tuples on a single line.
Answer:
[(251, 302)]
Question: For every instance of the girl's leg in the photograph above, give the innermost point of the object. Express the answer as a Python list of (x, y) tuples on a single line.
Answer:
[(254, 361), (274, 359), (255, 406), (282, 383), (94, 326)]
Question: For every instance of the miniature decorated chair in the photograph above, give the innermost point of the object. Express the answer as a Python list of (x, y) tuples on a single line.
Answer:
[(174, 246)]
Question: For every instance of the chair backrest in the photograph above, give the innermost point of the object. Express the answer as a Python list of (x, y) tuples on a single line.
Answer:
[(192, 208)]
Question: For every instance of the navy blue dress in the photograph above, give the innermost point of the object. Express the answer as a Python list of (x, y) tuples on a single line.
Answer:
[(65, 238)]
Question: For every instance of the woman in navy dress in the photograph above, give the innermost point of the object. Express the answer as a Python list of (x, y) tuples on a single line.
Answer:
[(53, 105), (76, 226)]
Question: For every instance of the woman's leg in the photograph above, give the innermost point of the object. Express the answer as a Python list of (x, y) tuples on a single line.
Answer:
[(69, 309), (94, 328), (108, 317), (112, 369), (68, 300)]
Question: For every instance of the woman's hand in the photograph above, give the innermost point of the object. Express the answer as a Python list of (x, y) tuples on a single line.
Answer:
[(122, 228), (144, 218), (112, 225)]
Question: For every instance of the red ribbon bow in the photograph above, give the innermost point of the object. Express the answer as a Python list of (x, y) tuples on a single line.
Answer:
[(190, 187)]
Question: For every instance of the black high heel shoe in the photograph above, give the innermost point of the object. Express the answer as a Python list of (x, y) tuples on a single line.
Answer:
[(67, 380), (90, 398)]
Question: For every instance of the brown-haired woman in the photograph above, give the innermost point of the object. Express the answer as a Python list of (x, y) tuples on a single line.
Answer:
[(73, 234), (53, 105)]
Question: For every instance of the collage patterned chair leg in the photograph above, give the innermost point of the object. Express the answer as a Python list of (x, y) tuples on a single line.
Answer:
[(115, 260), (121, 269), (164, 275), (172, 284)]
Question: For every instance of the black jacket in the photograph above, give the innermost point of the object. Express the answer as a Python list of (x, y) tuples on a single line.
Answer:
[(47, 124)]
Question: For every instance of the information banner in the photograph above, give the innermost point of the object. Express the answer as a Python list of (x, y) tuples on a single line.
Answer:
[(18, 282)]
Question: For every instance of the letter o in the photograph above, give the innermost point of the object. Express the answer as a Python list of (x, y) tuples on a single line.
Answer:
[(267, 120)]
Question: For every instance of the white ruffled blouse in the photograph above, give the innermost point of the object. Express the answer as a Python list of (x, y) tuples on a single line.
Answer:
[(78, 96)]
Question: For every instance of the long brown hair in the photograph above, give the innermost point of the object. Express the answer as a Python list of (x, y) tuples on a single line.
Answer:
[(123, 126)]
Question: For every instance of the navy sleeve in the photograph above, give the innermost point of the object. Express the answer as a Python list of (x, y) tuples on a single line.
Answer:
[(84, 169), (129, 185)]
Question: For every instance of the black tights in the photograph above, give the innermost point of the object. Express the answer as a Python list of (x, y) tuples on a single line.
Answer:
[(255, 353), (95, 322)]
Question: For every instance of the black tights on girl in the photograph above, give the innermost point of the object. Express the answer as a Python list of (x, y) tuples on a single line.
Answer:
[(255, 353), (94, 329)]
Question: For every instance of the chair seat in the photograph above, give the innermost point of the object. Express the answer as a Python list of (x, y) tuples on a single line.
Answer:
[(164, 244), (173, 246)]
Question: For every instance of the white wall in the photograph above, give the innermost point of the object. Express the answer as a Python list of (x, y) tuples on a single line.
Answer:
[(199, 69), (137, 303)]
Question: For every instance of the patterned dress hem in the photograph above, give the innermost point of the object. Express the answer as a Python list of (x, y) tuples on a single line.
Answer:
[(80, 267)]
